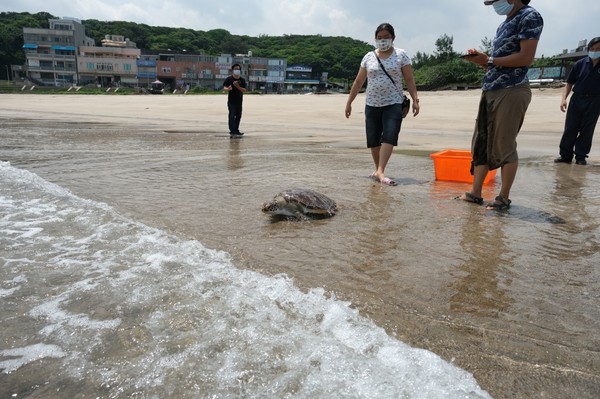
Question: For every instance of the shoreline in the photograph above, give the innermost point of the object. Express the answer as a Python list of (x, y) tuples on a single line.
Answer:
[(446, 120)]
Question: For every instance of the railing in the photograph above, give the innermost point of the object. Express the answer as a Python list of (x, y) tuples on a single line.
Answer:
[(44, 56), (46, 43), (50, 69), (93, 56), (51, 82)]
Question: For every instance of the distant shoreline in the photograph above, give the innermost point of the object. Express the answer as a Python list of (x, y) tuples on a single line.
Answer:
[(446, 120)]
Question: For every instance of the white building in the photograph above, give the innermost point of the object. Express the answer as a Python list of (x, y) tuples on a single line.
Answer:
[(51, 53), (112, 64)]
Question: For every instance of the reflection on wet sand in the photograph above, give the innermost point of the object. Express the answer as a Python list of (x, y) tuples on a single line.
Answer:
[(481, 278), (234, 158), (572, 195)]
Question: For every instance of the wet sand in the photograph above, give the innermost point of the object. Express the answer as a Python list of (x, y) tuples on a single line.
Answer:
[(446, 119), (511, 298)]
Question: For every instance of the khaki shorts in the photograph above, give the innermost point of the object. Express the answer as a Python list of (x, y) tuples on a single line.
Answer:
[(499, 120)]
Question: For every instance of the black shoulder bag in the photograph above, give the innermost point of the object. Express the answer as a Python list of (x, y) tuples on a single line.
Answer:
[(406, 101)]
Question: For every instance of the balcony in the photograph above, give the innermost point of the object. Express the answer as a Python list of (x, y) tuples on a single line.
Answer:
[(44, 56), (51, 69)]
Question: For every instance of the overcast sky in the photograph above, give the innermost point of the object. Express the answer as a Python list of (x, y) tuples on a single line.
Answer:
[(418, 23)]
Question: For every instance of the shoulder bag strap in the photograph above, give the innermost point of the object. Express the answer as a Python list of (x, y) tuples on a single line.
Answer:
[(383, 68), (405, 101)]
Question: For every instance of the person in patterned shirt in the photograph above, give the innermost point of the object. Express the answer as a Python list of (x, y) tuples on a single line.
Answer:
[(385, 68), (505, 97)]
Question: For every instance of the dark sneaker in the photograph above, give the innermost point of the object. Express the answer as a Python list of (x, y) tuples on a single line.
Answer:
[(562, 160), (240, 133), (581, 162)]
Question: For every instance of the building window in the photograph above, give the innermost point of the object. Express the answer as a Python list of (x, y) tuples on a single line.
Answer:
[(104, 67), (89, 66), (127, 67), (166, 69)]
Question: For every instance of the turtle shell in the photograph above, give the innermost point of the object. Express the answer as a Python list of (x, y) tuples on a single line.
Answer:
[(303, 202)]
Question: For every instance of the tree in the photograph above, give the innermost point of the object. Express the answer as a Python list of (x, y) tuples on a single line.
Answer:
[(444, 50), (486, 45), (11, 34), (421, 59)]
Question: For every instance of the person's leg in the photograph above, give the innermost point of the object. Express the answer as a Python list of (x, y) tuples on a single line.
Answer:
[(589, 118), (231, 118), (508, 174), (571, 131), (508, 119), (373, 129), (375, 152), (238, 117), (479, 163), (391, 120), (502, 201), (475, 195), (385, 153)]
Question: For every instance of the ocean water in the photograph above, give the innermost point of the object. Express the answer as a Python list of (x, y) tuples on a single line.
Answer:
[(96, 304), (135, 262)]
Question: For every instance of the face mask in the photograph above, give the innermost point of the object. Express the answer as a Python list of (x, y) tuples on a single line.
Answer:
[(502, 7), (594, 54), (236, 72), (384, 44)]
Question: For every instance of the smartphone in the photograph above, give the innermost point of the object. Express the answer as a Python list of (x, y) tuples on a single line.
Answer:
[(468, 55)]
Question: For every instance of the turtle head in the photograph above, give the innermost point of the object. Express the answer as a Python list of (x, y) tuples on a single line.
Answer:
[(270, 207)]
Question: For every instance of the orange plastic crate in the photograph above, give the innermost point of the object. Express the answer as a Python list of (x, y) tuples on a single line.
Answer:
[(455, 165)]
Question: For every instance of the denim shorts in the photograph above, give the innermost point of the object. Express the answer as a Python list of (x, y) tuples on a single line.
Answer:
[(383, 124)]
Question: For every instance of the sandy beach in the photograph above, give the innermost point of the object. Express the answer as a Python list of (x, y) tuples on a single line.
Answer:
[(512, 299), (446, 119)]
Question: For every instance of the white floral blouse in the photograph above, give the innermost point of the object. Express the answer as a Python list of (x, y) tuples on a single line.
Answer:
[(380, 89)]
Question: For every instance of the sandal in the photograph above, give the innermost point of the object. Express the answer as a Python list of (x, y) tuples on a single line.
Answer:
[(500, 204), (471, 198), (388, 182)]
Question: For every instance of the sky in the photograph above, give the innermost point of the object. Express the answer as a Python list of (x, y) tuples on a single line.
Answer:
[(417, 23)]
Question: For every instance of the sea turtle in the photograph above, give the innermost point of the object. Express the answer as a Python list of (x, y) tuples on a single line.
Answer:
[(300, 204)]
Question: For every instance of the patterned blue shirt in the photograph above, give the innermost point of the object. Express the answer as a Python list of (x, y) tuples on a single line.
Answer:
[(526, 24)]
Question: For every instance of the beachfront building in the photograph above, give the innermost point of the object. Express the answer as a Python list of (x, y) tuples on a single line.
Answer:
[(113, 64), (186, 71), (300, 78), (147, 69), (261, 73), (556, 75), (63, 56), (575, 54), (51, 54)]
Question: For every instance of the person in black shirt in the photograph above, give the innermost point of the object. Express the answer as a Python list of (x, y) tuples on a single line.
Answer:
[(236, 86), (584, 107)]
